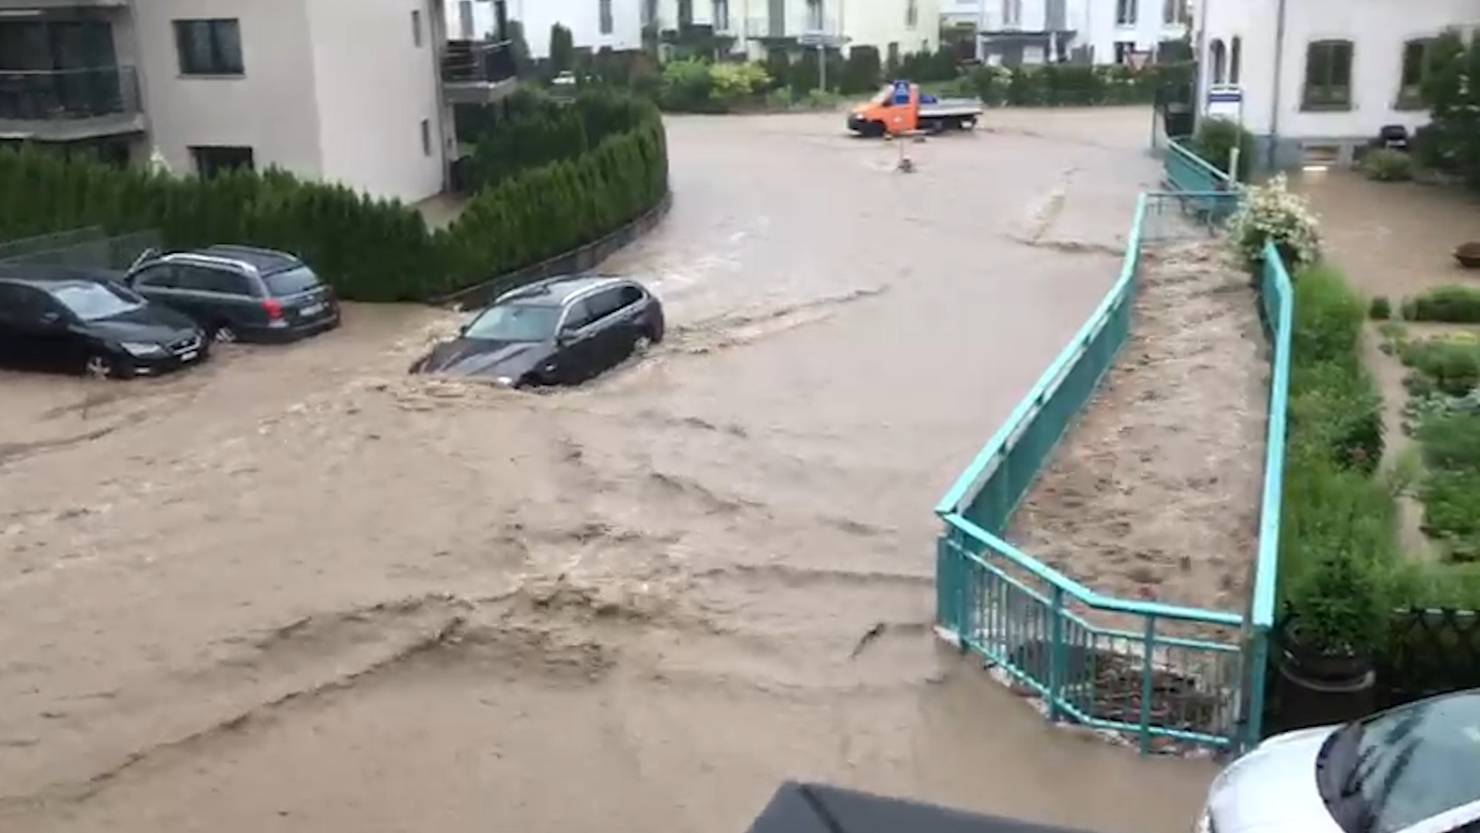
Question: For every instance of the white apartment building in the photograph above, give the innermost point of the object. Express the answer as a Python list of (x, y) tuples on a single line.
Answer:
[(740, 27), (349, 91), (1319, 78), (1013, 32)]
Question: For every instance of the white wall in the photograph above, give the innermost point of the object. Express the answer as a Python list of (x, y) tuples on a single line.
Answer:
[(1377, 29), (1101, 30), (879, 23), (484, 20), (374, 87), (583, 19), (271, 107)]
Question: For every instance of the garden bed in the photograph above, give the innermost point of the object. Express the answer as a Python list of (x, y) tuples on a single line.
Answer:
[(1154, 493)]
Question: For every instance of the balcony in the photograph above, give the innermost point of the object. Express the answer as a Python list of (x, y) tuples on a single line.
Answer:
[(478, 72), (66, 105), (795, 26)]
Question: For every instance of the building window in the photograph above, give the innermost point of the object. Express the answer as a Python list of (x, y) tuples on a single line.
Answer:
[(1123, 51), (604, 14), (1174, 11), (721, 15), (912, 14), (1218, 60), (416, 27), (212, 160), (1235, 59), (1328, 75), (685, 13), (1125, 12), (426, 137), (814, 15), (1012, 13), (209, 47), (1415, 59)]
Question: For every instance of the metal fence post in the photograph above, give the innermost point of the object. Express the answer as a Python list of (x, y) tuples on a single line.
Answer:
[(1254, 687), (1056, 654), (1147, 669)]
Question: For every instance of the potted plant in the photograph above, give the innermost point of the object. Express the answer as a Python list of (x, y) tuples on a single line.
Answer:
[(1336, 624)]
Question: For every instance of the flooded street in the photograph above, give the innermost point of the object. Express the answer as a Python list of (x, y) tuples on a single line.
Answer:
[(296, 590)]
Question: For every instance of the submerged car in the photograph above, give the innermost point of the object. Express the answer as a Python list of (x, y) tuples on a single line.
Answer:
[(1411, 769), (239, 293), (558, 331), (75, 320)]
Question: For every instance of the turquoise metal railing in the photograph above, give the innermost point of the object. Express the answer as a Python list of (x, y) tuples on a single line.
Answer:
[(1191, 175), (1155, 670), (1277, 297)]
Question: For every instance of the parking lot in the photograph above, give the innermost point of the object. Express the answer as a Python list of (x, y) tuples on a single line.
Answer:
[(296, 589)]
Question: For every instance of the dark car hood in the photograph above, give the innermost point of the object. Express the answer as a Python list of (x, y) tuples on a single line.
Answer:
[(480, 357), (149, 323)]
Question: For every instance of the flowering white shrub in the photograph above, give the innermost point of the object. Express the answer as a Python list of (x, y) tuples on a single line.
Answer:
[(1271, 212)]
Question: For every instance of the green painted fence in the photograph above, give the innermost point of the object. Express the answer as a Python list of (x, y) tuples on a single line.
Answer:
[(1202, 185), (1157, 671)]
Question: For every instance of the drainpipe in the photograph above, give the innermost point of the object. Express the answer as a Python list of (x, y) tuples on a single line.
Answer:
[(1279, 65)]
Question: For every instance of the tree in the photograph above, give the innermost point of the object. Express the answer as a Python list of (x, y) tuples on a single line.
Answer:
[(1451, 88), (519, 47), (562, 48)]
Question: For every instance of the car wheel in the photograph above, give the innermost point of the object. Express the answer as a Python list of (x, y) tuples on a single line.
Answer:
[(100, 366), (223, 334)]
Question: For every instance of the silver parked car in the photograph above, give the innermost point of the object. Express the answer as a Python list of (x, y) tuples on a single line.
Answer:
[(1414, 769)]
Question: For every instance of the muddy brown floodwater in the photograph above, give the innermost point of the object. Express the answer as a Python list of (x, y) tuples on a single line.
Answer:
[(296, 590), (1153, 494)]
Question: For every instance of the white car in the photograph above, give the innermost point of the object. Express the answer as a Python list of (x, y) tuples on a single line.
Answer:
[(1412, 769)]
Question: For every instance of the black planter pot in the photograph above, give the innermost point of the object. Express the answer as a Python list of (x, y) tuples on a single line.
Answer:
[(1317, 688)]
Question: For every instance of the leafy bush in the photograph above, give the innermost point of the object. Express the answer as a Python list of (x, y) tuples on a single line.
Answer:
[(1453, 94), (1387, 165), (1340, 604), (1215, 140), (688, 87), (1453, 367), (733, 83), (1270, 212), (1381, 309), (1451, 441), (1451, 510), (1327, 319), (920, 67), (1454, 304)]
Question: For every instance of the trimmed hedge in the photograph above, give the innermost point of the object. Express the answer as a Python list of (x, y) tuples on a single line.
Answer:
[(368, 249), (1452, 304), (554, 208), (530, 129), (1062, 85)]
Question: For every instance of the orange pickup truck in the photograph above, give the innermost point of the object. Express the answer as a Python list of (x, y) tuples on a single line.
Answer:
[(900, 108)]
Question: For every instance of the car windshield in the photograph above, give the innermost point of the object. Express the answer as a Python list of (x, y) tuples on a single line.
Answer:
[(515, 322), (291, 282), (1400, 767), (92, 301)]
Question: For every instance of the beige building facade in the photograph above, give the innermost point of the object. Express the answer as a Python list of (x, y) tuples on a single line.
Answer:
[(346, 91)]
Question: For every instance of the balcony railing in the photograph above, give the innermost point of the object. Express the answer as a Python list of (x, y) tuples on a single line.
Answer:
[(478, 62), (51, 95), (793, 25)]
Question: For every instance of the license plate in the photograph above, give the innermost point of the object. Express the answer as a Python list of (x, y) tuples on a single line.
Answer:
[(189, 355), (310, 310)]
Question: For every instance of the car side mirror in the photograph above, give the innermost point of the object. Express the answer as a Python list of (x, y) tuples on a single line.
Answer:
[(52, 320), (565, 337)]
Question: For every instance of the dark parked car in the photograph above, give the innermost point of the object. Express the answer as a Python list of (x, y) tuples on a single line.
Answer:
[(66, 319), (239, 293), (558, 331)]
